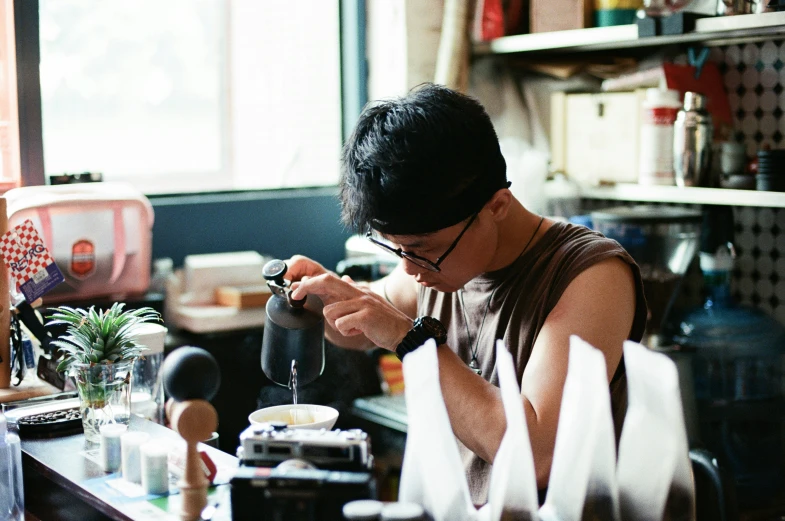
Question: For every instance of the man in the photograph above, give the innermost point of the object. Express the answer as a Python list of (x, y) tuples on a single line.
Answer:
[(423, 176)]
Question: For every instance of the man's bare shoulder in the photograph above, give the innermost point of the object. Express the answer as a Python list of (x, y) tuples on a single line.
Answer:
[(604, 291)]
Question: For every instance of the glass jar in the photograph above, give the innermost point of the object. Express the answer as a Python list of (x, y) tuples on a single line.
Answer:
[(104, 395), (147, 397)]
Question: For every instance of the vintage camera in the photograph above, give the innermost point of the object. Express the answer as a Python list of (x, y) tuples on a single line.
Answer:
[(295, 474)]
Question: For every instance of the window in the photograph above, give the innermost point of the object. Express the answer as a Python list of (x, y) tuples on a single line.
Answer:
[(192, 95)]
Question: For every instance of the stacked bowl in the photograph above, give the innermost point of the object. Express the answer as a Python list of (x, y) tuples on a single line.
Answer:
[(771, 170)]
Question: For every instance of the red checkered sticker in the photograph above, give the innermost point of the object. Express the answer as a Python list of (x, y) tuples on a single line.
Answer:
[(32, 266)]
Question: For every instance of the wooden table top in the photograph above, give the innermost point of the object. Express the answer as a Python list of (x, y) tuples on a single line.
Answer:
[(69, 463), (30, 387)]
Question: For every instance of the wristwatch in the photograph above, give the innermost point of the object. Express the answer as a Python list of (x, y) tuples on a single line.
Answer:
[(423, 329)]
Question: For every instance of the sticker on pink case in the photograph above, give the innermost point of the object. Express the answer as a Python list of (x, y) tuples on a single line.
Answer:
[(31, 265)]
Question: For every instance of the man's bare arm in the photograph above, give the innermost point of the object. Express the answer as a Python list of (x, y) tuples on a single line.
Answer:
[(598, 306)]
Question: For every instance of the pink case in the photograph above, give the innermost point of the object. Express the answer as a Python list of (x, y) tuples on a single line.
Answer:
[(100, 235)]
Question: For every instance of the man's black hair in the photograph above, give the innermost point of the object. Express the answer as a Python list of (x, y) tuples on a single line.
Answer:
[(420, 163)]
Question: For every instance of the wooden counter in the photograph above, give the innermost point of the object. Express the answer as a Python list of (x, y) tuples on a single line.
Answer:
[(30, 387), (62, 481)]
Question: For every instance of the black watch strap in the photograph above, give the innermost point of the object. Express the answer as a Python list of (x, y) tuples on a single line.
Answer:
[(423, 329)]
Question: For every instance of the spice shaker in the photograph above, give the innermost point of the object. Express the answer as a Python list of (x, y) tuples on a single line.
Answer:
[(692, 136)]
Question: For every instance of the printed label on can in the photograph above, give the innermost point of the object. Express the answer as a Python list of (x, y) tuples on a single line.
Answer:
[(82, 258)]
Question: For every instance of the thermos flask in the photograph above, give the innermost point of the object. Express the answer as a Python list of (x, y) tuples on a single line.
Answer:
[(692, 136), (293, 337)]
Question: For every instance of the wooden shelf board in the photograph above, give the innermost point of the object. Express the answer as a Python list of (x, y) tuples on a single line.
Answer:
[(709, 31), (687, 195)]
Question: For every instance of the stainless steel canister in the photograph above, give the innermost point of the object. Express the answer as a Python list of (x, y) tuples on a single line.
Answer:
[(692, 136)]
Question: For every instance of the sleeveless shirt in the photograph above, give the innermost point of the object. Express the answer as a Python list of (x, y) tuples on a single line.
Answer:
[(525, 293)]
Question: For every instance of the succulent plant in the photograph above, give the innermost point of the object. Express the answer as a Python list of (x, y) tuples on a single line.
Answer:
[(94, 337)]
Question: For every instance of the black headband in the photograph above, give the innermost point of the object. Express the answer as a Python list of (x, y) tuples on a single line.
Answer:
[(429, 217)]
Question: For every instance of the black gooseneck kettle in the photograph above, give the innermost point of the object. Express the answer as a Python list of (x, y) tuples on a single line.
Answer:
[(293, 337)]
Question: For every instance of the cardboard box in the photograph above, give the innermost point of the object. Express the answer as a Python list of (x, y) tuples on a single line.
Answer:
[(561, 15), (243, 297), (595, 137)]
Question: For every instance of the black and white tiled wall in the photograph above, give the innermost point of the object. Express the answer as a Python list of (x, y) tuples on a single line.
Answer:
[(754, 76), (759, 277)]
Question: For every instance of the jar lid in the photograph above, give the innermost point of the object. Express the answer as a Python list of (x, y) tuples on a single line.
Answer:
[(402, 512), (362, 510), (646, 214), (694, 101), (663, 97)]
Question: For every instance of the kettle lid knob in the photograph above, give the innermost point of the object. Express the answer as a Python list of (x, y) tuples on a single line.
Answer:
[(274, 271)]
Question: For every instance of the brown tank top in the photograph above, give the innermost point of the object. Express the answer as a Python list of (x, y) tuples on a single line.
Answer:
[(525, 292)]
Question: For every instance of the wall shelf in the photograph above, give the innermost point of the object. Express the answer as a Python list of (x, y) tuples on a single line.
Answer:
[(687, 195), (721, 30)]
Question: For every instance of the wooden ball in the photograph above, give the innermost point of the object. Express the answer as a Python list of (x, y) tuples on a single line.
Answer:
[(191, 373), (194, 420)]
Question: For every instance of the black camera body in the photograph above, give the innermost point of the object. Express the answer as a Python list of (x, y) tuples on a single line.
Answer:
[(300, 475)]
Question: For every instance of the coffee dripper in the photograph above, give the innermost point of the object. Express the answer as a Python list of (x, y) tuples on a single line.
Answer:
[(293, 337)]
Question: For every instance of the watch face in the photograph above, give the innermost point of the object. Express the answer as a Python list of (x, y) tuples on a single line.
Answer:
[(434, 328)]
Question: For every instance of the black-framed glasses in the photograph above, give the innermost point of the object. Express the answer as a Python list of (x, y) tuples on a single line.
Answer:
[(416, 259)]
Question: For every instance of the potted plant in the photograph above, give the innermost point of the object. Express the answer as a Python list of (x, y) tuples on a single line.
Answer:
[(99, 349)]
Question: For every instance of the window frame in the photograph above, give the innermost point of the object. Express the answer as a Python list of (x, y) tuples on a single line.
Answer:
[(353, 88), (28, 87)]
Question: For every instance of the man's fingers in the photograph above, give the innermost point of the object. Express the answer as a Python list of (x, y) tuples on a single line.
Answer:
[(325, 284), (296, 284), (347, 324), (300, 266), (348, 317), (368, 315), (341, 308)]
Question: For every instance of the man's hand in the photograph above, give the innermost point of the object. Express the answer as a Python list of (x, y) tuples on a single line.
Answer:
[(351, 309), (300, 266)]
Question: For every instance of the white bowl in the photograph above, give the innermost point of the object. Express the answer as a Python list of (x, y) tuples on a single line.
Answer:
[(323, 417)]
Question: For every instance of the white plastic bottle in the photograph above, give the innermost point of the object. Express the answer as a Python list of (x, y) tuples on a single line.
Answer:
[(12, 499), (656, 144)]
